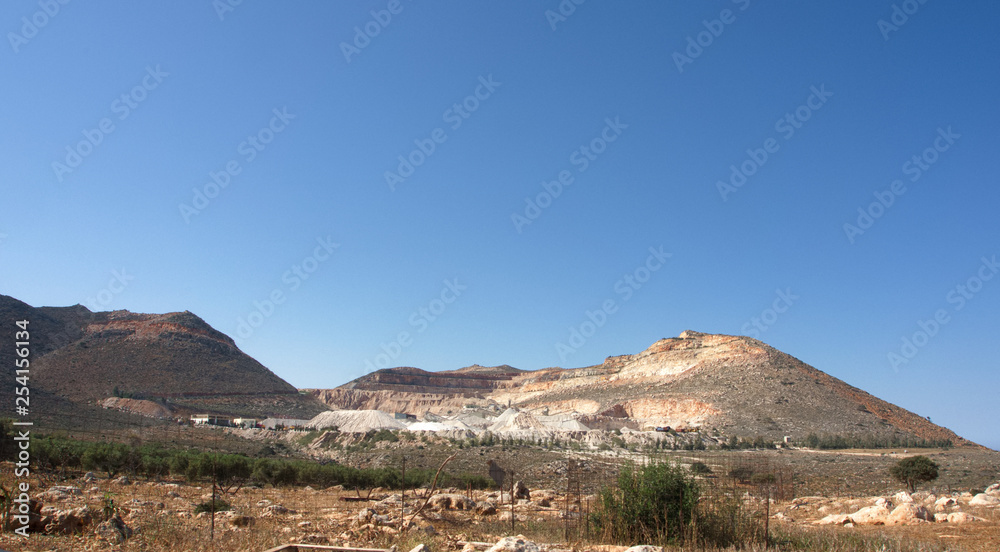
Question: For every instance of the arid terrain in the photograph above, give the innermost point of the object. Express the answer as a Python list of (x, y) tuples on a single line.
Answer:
[(119, 463), (160, 513)]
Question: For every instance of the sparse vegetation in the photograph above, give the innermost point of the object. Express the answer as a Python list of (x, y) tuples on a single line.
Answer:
[(837, 441)]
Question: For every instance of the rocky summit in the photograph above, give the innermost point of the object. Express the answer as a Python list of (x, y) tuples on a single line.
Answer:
[(160, 364), (734, 385)]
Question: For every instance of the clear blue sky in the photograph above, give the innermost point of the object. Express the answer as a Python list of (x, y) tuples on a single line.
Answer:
[(171, 92)]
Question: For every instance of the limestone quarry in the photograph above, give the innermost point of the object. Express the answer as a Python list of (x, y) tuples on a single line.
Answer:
[(726, 385)]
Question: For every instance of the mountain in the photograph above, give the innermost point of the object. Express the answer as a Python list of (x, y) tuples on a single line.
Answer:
[(176, 359), (733, 384)]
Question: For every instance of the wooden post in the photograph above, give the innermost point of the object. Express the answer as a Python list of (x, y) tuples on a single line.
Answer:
[(402, 497), (512, 503)]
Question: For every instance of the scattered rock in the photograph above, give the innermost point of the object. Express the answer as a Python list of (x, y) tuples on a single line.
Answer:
[(114, 530), (944, 502), (941, 518), (514, 544), (645, 548), (89, 476), (71, 521), (834, 519), (961, 517), (486, 508), (452, 502), (983, 499), (883, 502), (123, 480), (276, 509), (902, 497), (871, 515), (420, 548), (173, 494), (908, 513), (366, 515), (993, 489)]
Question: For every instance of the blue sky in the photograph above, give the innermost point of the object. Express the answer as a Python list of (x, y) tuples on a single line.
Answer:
[(122, 120)]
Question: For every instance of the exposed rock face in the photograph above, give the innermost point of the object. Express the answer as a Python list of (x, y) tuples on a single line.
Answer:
[(134, 406), (736, 384)]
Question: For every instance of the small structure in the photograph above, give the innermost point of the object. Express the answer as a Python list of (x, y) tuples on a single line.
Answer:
[(246, 422), (404, 416), (212, 419)]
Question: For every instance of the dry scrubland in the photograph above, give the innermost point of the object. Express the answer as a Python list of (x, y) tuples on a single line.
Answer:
[(825, 486)]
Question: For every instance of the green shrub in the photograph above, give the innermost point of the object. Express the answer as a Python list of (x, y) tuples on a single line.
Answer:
[(217, 505), (700, 468), (649, 504), (913, 470)]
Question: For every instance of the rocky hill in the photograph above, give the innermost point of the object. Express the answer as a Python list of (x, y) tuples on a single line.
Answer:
[(176, 359), (730, 384)]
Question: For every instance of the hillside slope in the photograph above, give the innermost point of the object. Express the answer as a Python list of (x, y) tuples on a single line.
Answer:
[(733, 384), (175, 358)]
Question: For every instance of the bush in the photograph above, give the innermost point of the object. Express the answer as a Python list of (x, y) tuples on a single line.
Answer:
[(217, 505), (650, 504), (913, 470), (700, 468)]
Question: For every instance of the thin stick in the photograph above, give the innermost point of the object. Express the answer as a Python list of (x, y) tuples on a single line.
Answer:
[(433, 486)]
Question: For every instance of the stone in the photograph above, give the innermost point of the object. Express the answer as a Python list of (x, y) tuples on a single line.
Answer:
[(486, 509), (71, 521), (871, 515), (834, 519), (89, 476), (941, 518), (962, 517), (514, 544), (365, 515), (645, 548), (123, 480), (451, 501), (114, 530), (983, 499), (420, 548), (944, 502), (884, 502), (902, 497), (907, 514)]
